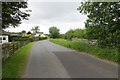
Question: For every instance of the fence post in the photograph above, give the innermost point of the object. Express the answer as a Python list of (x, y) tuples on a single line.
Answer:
[(13, 47), (17, 45)]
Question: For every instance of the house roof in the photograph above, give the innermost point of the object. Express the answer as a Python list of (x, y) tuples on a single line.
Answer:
[(15, 34), (3, 34)]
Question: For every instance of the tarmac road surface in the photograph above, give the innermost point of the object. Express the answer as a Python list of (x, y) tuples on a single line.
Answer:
[(49, 60)]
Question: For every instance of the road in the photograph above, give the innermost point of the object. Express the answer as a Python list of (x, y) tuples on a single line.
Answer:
[(49, 60)]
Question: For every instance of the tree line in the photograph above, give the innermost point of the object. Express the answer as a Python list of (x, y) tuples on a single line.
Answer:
[(72, 33), (102, 23)]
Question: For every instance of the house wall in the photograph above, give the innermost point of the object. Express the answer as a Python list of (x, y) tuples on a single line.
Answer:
[(43, 35)]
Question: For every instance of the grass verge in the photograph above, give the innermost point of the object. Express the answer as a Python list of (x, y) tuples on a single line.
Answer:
[(13, 67), (104, 53)]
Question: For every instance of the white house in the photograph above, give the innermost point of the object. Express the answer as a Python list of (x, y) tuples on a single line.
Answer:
[(40, 34), (4, 38), (43, 35)]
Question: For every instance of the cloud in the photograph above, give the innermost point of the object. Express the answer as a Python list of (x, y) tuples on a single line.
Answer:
[(53, 10), (63, 15)]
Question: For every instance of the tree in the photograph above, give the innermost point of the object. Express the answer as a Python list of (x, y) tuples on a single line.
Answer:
[(79, 33), (29, 32), (0, 18), (54, 32), (76, 33), (12, 15), (35, 29), (23, 31), (69, 34), (62, 36), (103, 22)]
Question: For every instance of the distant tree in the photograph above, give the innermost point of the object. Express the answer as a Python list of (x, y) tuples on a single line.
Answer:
[(69, 34), (54, 32), (23, 31), (12, 15), (76, 33), (29, 32), (79, 33), (62, 36), (35, 29)]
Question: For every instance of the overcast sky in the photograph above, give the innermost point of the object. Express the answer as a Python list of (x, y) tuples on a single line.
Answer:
[(63, 15)]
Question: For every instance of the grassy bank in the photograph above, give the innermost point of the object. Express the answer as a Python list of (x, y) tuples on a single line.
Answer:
[(104, 53), (13, 67)]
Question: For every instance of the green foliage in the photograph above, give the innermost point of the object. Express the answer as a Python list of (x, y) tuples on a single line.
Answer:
[(54, 32), (105, 53), (22, 39), (77, 33), (103, 22), (12, 15), (28, 39), (14, 66), (23, 32), (62, 36), (42, 38), (69, 34), (38, 38)]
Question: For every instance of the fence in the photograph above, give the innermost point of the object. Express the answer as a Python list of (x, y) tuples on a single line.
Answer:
[(9, 48)]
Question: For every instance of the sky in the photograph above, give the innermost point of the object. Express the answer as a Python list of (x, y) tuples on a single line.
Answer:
[(63, 15)]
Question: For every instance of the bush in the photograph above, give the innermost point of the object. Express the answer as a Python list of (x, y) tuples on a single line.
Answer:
[(38, 38), (42, 38), (77, 33), (22, 39)]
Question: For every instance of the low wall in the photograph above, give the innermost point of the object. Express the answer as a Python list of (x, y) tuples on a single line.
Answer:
[(92, 42)]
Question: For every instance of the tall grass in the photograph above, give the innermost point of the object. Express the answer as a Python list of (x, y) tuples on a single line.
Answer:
[(104, 53)]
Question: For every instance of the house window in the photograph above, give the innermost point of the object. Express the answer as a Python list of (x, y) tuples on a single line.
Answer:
[(4, 38)]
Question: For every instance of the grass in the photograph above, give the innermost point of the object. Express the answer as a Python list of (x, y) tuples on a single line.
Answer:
[(104, 53), (14, 66)]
